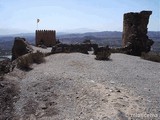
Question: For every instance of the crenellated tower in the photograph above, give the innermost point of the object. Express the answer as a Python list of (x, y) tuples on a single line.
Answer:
[(45, 37)]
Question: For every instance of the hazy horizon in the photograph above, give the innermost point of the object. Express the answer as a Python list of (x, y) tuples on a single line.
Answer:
[(21, 16)]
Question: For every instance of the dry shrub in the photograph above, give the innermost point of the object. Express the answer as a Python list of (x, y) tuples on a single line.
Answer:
[(38, 57), (155, 57), (104, 55), (25, 62)]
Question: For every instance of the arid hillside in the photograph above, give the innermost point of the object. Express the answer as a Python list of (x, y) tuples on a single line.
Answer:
[(75, 86)]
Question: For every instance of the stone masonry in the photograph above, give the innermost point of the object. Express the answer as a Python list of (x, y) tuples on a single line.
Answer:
[(20, 47), (135, 38), (45, 37)]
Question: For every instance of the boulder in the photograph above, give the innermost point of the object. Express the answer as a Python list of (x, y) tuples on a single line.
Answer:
[(20, 47)]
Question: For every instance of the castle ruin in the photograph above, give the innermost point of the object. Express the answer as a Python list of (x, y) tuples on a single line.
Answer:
[(45, 37), (135, 29)]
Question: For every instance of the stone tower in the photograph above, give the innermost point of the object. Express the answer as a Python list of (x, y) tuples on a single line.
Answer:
[(45, 37), (135, 32)]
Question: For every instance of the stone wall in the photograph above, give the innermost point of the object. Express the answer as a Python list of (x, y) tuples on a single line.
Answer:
[(70, 48), (45, 37), (135, 32)]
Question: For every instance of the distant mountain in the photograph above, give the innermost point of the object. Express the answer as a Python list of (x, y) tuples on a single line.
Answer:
[(154, 34), (6, 38), (106, 34), (79, 30), (60, 35), (110, 34), (28, 36), (101, 37)]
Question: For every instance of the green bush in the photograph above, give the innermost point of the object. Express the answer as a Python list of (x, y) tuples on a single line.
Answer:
[(104, 55), (155, 57)]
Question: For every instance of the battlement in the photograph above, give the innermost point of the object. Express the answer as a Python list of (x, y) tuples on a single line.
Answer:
[(45, 37)]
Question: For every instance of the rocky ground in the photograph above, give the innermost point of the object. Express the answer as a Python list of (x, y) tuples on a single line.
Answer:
[(75, 86)]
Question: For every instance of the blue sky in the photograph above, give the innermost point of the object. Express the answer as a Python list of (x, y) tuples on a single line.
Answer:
[(19, 16)]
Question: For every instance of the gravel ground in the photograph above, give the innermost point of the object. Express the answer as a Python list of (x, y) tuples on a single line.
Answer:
[(77, 87)]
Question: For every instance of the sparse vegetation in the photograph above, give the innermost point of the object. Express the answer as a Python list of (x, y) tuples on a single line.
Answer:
[(151, 56), (25, 62)]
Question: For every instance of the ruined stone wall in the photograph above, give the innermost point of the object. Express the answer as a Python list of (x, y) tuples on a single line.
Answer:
[(45, 37), (135, 32)]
